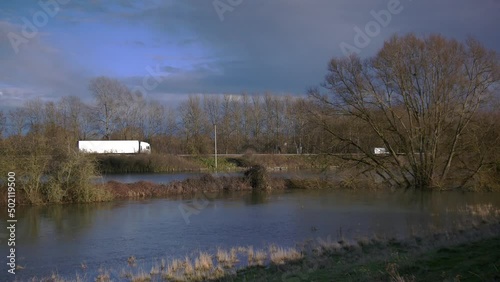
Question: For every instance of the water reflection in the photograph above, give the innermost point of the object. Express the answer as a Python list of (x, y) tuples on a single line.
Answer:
[(256, 198), (67, 221)]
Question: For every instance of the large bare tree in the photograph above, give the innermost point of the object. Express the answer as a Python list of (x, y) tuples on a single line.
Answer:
[(195, 124), (113, 100), (416, 98)]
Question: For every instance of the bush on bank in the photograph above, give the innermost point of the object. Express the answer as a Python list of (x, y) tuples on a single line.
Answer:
[(48, 173)]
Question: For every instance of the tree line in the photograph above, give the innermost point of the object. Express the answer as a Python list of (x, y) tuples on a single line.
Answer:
[(260, 123)]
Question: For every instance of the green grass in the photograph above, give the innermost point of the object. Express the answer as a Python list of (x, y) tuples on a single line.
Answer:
[(223, 164), (479, 261), (475, 261)]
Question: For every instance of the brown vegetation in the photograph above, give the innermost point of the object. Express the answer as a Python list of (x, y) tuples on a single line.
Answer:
[(205, 184), (154, 163), (425, 100)]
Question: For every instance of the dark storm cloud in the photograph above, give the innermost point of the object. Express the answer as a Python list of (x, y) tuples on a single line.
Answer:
[(285, 45), (281, 46)]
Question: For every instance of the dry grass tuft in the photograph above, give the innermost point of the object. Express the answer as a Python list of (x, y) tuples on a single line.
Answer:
[(188, 267), (328, 245), (250, 255), (273, 248), (203, 262), (260, 257), (141, 277), (284, 255), (175, 265), (226, 259), (218, 272), (234, 255)]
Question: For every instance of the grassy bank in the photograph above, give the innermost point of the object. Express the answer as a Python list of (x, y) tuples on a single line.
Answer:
[(78, 187), (155, 163), (471, 261), (254, 179), (469, 250)]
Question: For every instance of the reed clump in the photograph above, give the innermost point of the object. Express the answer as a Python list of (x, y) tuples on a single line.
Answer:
[(282, 255), (258, 178)]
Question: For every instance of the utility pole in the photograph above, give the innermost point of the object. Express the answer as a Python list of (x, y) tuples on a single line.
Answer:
[(215, 145)]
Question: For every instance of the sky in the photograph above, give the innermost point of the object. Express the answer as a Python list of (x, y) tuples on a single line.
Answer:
[(169, 49)]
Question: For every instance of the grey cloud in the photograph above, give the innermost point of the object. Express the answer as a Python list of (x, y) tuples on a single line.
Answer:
[(38, 68), (280, 45), (170, 69)]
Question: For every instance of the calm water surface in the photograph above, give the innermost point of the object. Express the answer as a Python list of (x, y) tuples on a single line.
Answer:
[(60, 238)]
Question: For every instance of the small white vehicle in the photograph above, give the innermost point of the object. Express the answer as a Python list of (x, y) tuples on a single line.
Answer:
[(380, 151)]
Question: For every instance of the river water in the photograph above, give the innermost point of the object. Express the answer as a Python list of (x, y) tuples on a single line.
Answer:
[(62, 238)]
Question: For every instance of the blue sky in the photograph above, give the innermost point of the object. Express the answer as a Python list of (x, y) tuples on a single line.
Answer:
[(182, 47)]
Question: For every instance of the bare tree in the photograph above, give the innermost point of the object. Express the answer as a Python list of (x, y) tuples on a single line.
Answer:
[(172, 122), (257, 119), (212, 107), (298, 118), (226, 129), (236, 122), (195, 124), (75, 118), (156, 119), (17, 118), (35, 116), (416, 98), (274, 110), (112, 101), (246, 111), (132, 116)]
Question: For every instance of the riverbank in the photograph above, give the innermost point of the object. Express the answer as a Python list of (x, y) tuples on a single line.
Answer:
[(256, 179), (164, 163), (469, 250), (253, 180), (393, 260), (191, 186)]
